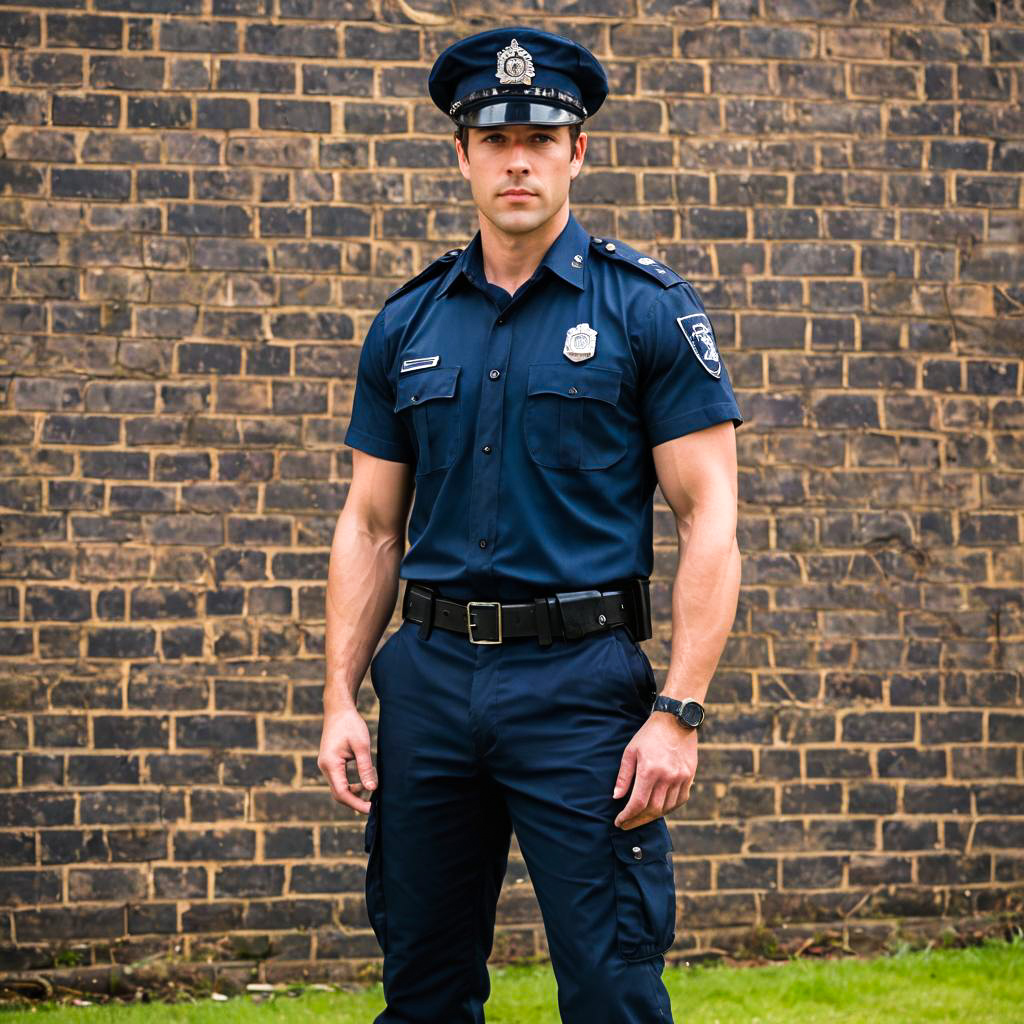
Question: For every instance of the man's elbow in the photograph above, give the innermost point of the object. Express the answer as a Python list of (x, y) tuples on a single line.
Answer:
[(713, 515)]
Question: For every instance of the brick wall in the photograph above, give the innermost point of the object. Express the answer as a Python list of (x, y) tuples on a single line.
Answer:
[(204, 203)]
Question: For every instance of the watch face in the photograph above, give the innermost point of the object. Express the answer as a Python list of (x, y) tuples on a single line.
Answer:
[(692, 713)]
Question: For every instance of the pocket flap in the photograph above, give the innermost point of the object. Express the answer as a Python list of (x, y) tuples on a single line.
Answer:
[(600, 382), (427, 384), (643, 843)]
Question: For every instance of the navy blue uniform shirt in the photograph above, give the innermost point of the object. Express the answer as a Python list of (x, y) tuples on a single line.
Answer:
[(533, 470)]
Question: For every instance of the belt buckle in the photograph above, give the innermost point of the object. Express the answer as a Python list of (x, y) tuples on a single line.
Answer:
[(469, 620)]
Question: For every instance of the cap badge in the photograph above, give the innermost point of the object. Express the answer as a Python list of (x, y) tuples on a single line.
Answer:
[(515, 65), (696, 329), (580, 343)]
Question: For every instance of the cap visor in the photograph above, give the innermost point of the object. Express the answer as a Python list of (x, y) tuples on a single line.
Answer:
[(517, 112)]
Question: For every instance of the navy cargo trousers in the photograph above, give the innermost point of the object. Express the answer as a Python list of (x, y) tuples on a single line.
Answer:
[(472, 742)]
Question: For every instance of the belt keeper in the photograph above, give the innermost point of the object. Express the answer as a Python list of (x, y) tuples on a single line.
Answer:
[(428, 618), (543, 620)]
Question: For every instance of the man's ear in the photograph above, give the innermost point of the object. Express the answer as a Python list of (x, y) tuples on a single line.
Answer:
[(579, 150), (463, 159)]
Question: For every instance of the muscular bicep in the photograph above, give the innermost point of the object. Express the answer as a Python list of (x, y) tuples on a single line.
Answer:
[(698, 471), (380, 494)]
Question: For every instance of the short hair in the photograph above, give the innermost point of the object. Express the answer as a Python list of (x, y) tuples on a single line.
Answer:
[(462, 133)]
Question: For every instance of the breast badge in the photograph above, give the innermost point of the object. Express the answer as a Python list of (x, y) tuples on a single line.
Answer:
[(580, 343), (696, 329)]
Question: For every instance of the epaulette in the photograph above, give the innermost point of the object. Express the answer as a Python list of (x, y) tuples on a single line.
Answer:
[(615, 250), (438, 266)]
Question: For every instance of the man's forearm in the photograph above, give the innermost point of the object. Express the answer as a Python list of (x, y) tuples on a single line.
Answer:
[(704, 598), (362, 585)]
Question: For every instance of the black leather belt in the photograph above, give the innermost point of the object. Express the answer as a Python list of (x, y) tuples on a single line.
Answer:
[(569, 615)]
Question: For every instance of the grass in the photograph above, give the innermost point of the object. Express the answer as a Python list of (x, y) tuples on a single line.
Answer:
[(980, 984)]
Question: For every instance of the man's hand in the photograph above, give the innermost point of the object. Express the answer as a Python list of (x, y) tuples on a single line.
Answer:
[(664, 758), (345, 738)]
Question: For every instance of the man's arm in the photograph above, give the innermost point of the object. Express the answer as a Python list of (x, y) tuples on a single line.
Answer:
[(697, 474), (362, 586)]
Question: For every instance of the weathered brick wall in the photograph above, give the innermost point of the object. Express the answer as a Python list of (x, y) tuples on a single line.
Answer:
[(204, 203)]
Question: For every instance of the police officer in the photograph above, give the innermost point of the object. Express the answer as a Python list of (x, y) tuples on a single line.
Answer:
[(525, 395)]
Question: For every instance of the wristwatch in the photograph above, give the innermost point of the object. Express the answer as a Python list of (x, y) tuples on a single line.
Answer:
[(689, 711)]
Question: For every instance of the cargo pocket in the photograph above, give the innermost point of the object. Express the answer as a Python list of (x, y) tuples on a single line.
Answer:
[(645, 891), (374, 880), (572, 419), (430, 400)]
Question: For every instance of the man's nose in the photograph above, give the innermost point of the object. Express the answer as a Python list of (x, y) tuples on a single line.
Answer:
[(517, 158)]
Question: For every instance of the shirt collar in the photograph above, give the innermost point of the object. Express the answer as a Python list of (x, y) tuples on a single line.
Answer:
[(566, 257)]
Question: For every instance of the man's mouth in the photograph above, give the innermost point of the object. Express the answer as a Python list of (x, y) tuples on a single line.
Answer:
[(517, 192)]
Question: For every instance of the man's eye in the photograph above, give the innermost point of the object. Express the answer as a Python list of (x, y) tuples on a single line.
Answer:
[(488, 138)]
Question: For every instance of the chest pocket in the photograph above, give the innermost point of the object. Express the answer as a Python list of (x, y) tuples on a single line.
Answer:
[(430, 399), (572, 418)]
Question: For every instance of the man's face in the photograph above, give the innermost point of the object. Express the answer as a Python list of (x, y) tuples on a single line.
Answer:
[(519, 173)]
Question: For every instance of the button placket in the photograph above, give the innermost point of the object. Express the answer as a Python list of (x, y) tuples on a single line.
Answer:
[(486, 470)]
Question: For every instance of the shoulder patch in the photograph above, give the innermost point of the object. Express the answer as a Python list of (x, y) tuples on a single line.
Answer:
[(613, 249), (431, 270)]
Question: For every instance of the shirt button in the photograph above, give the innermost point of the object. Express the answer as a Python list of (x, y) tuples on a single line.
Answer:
[(415, 398), (501, 319), (486, 449), (483, 543), (572, 390), (494, 374)]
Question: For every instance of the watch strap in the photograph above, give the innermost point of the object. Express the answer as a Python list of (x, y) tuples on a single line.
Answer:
[(675, 707)]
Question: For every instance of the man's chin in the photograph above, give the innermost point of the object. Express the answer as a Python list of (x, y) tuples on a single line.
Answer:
[(520, 222)]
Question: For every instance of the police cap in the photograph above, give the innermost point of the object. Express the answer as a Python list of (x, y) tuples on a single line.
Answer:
[(517, 76)]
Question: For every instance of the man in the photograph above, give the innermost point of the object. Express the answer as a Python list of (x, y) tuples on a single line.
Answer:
[(532, 389)]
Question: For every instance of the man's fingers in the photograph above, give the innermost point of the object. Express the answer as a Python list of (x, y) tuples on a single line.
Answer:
[(336, 778), (625, 776), (342, 791), (364, 765), (637, 801)]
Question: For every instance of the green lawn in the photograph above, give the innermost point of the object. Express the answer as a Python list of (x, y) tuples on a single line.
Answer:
[(980, 985)]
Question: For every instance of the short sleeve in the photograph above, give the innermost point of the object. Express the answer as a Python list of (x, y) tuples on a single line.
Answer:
[(375, 428), (684, 385)]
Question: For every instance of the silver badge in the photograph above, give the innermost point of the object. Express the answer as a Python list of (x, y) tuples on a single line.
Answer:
[(696, 329), (646, 261), (580, 343), (515, 65), (418, 363)]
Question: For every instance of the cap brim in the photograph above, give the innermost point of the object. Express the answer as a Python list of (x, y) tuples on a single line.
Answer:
[(516, 112)]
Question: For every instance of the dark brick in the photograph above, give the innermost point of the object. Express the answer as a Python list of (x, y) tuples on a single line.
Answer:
[(223, 114), (295, 115), (255, 76), (199, 36), (220, 844), (208, 219), (121, 642), (159, 112), (291, 40), (63, 604), (389, 44), (126, 72), (19, 29), (215, 731), (197, 357), (85, 31)]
